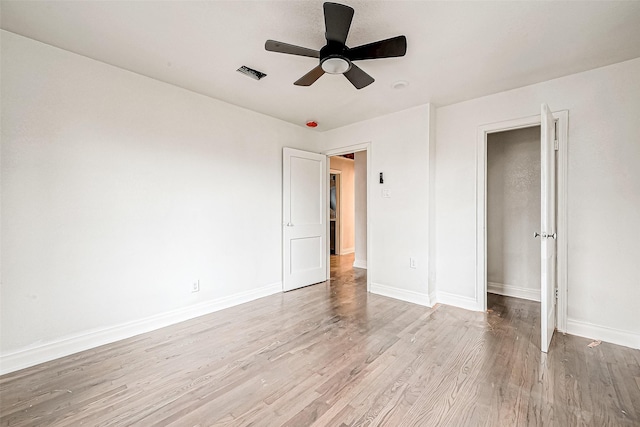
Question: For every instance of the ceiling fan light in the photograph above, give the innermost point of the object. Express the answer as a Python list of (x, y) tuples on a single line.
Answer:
[(335, 65)]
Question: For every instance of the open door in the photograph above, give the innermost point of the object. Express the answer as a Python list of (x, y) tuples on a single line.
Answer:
[(548, 227), (304, 218)]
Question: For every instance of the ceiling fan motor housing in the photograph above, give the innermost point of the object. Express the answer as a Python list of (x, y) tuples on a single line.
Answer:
[(333, 59)]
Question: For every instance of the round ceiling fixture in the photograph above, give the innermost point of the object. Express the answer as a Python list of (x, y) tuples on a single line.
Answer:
[(312, 124), (335, 65), (400, 84)]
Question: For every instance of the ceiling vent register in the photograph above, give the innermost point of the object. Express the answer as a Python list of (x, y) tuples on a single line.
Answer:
[(254, 74)]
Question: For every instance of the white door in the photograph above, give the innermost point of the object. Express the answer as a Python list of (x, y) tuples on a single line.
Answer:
[(304, 218), (548, 227)]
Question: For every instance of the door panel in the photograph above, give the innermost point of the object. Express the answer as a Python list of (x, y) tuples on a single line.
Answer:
[(306, 206), (547, 227), (305, 253), (304, 218)]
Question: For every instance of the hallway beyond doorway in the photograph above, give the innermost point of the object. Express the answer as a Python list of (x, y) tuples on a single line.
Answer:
[(346, 280)]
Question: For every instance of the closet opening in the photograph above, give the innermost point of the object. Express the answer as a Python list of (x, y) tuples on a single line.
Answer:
[(513, 213)]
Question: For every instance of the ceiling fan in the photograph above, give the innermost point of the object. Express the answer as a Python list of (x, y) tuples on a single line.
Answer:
[(335, 57)]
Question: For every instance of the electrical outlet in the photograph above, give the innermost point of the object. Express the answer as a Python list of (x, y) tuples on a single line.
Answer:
[(412, 262), (196, 286)]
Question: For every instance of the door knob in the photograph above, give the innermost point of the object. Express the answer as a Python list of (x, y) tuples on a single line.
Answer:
[(536, 234)]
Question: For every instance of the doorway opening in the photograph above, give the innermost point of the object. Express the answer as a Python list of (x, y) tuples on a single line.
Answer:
[(553, 246), (348, 231), (347, 207), (513, 213), (342, 204), (335, 205)]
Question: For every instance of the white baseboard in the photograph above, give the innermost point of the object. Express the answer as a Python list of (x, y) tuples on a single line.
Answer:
[(513, 291), (401, 294), (31, 356), (458, 301), (358, 263), (603, 333), (347, 251)]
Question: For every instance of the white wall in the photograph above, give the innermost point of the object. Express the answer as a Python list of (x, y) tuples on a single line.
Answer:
[(118, 192), (603, 193), (513, 213), (360, 189), (398, 224)]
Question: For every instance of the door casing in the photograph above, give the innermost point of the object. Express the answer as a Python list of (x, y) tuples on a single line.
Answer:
[(366, 146)]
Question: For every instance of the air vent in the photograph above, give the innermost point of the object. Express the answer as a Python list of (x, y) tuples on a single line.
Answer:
[(254, 74)]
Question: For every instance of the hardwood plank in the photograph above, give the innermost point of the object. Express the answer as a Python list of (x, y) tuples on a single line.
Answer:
[(332, 354)]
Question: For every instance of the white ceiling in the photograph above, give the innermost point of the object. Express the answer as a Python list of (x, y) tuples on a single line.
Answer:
[(456, 50)]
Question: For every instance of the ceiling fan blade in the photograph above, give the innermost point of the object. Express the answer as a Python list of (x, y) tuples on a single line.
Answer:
[(274, 46), (310, 78), (389, 48), (358, 78), (337, 20)]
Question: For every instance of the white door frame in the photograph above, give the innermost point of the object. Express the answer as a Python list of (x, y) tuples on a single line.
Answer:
[(562, 118), (366, 146)]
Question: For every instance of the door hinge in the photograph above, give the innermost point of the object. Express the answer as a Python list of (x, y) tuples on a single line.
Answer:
[(555, 136), (556, 293)]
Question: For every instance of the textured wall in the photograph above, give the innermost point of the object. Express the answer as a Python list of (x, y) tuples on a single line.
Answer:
[(513, 211)]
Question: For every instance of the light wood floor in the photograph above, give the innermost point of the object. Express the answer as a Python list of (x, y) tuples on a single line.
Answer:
[(333, 355)]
